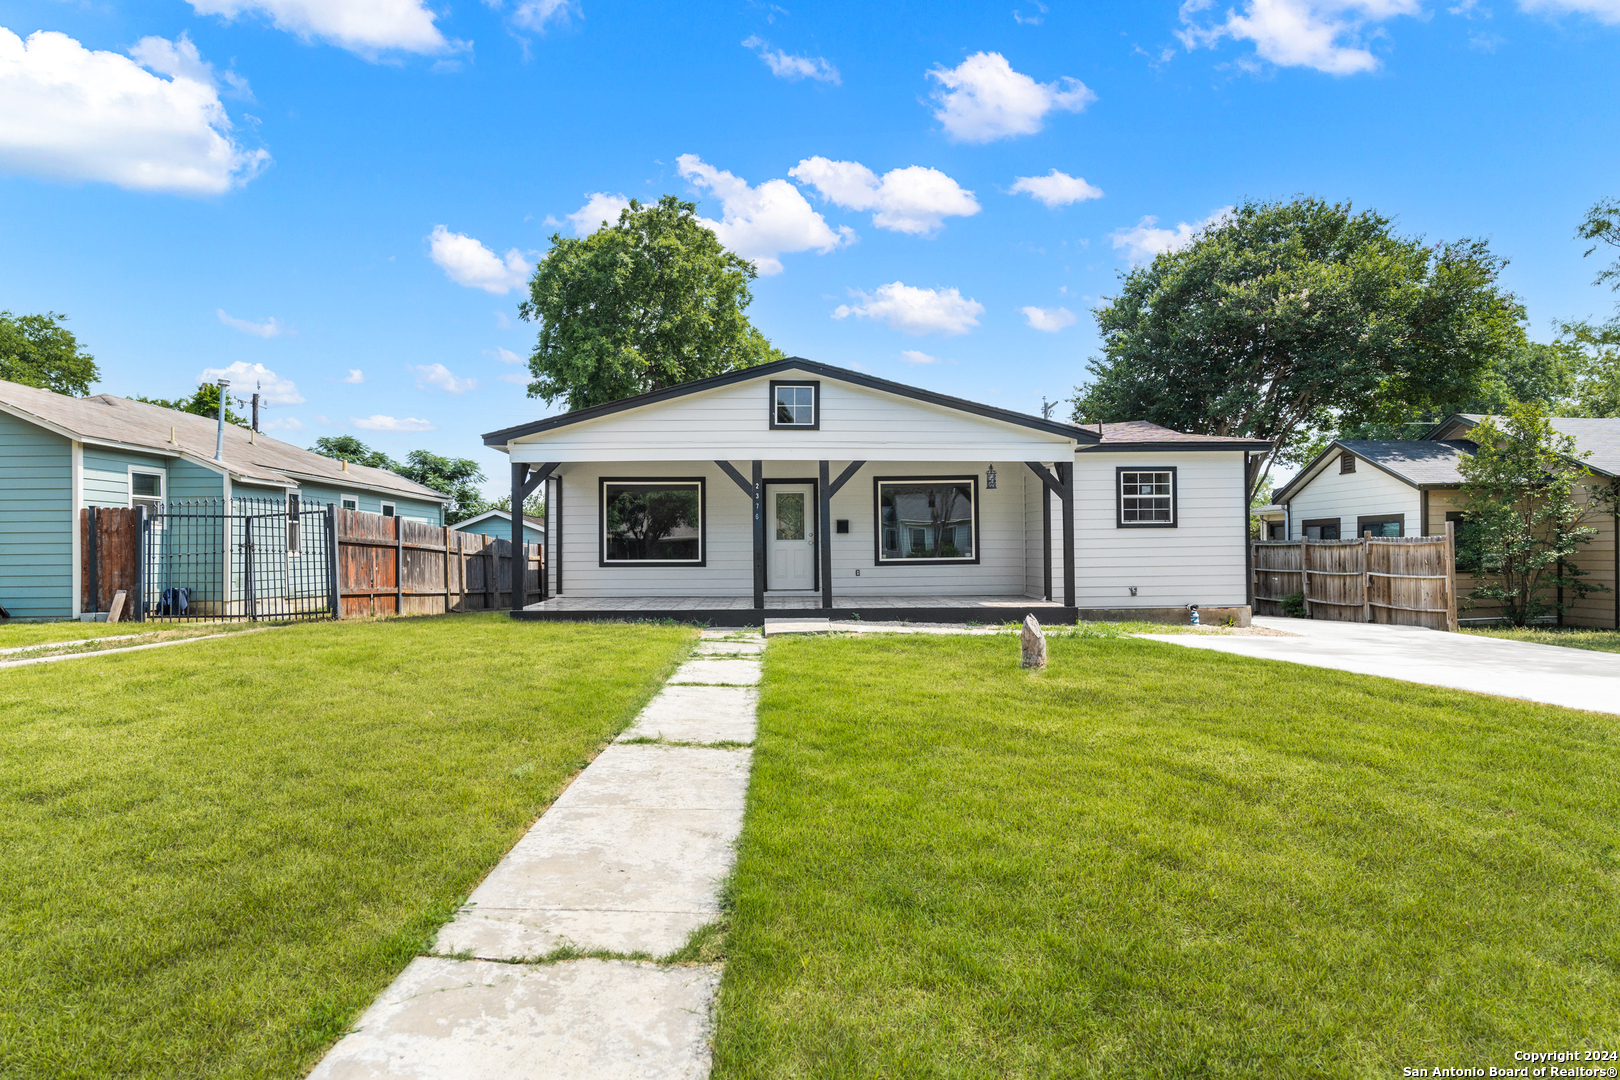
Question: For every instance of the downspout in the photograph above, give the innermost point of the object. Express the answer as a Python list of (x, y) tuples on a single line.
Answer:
[(219, 442)]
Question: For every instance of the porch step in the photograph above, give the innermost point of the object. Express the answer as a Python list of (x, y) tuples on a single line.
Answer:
[(797, 626)]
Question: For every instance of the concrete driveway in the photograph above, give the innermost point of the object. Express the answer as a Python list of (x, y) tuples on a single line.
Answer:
[(1573, 678)]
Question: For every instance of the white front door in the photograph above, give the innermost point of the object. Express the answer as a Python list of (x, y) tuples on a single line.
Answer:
[(790, 536)]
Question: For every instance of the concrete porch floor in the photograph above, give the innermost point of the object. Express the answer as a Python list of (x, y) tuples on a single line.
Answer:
[(740, 610)]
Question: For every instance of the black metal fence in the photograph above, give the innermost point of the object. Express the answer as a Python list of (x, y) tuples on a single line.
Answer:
[(244, 558)]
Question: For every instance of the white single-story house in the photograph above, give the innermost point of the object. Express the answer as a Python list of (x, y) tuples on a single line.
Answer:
[(499, 523), (1409, 487), (800, 488)]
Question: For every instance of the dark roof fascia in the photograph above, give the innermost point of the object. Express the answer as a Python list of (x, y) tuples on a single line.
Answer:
[(499, 439), (1135, 447)]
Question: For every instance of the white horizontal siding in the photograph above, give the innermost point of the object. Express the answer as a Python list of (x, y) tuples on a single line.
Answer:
[(1367, 492), (733, 423), (1201, 561)]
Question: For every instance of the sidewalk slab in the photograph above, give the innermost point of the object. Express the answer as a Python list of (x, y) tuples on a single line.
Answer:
[(797, 626), (717, 673), (703, 714), (595, 1019), (707, 649)]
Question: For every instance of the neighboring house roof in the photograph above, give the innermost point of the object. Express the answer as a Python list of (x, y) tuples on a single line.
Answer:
[(1596, 437), (500, 438), (1139, 434), (504, 515), (109, 420), (1419, 462)]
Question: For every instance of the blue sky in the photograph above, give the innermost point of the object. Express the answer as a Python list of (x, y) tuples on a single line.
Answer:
[(349, 193)]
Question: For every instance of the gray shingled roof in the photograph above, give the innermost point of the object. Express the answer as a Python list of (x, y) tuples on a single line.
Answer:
[(107, 418), (1599, 437), (1141, 431), (1416, 460)]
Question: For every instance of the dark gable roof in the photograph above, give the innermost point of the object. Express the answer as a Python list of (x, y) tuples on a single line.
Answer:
[(1597, 437), (1141, 435), (1419, 462), (500, 438)]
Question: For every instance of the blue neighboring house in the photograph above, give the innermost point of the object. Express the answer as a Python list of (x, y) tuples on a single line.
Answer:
[(60, 454), (498, 523)]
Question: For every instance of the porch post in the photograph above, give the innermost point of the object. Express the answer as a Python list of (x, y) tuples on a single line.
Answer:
[(759, 535), (1066, 478), (520, 592), (1046, 542), (824, 535)]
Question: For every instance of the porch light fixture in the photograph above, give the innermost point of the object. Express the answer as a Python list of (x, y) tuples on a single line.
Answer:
[(990, 478)]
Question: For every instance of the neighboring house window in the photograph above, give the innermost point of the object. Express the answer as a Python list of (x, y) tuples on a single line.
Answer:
[(295, 529), (652, 522), (1347, 462), (1385, 525), (1145, 498), (349, 502), (796, 405), (146, 489), (927, 518), (1320, 529), (387, 509), (1274, 531)]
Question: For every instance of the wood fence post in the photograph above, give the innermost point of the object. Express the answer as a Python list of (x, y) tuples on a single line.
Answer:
[(1305, 574), (492, 566), (334, 561), (1451, 576), (399, 565), (447, 569), (1366, 575), (94, 553)]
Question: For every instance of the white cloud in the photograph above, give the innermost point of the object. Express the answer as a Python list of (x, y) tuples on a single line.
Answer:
[(917, 356), (1604, 11), (600, 209), (764, 222), (1144, 240), (270, 328), (505, 356), (354, 376), (180, 59), (1049, 319), (984, 99), (67, 113), (366, 27), (535, 14), (1056, 188), (793, 68), (283, 423), (1327, 35), (911, 200), (470, 263), (915, 311), (379, 422), (246, 378), (437, 376)]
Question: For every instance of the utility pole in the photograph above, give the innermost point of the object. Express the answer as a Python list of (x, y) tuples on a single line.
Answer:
[(219, 442), (1047, 407), (255, 410)]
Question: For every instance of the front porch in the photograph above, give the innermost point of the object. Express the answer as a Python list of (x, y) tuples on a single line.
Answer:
[(741, 610)]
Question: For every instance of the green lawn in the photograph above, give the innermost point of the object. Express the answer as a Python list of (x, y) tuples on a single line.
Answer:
[(1155, 861), (212, 857), (13, 634), (1597, 640)]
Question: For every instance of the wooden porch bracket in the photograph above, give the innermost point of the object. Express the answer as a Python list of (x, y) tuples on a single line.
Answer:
[(525, 478), (755, 490), (1053, 484), (1062, 485), (844, 478)]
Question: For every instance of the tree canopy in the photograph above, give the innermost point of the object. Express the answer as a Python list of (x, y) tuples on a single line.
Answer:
[(456, 477), (650, 302), (349, 448), (37, 350), (204, 402), (1285, 319)]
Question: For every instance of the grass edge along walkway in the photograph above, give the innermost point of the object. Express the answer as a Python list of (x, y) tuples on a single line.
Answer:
[(1149, 861), (212, 859)]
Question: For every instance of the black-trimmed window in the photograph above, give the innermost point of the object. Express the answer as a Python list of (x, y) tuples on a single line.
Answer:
[(652, 522), (295, 538), (796, 405), (1320, 529), (1145, 498), (1382, 525), (927, 519)]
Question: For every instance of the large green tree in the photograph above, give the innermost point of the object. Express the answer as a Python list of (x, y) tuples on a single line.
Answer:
[(455, 477), (37, 350), (1285, 319), (349, 448), (1597, 392), (649, 302)]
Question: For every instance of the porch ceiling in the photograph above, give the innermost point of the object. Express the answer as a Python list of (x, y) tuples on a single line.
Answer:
[(1057, 450)]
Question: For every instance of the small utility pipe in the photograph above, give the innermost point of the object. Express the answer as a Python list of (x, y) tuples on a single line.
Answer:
[(219, 443)]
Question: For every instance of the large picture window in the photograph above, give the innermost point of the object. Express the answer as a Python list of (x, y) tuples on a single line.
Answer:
[(927, 519), (648, 522), (1146, 498)]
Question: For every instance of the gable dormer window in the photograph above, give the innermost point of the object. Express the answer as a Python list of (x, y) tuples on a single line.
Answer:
[(1347, 462), (796, 405)]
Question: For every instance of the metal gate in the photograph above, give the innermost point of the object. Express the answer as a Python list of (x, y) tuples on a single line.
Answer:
[(237, 559)]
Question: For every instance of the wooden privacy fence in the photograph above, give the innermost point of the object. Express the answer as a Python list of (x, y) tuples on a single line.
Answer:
[(395, 566), (1404, 580), (109, 555)]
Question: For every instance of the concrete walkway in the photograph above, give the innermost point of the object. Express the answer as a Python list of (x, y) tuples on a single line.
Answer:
[(1573, 678), (627, 861)]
